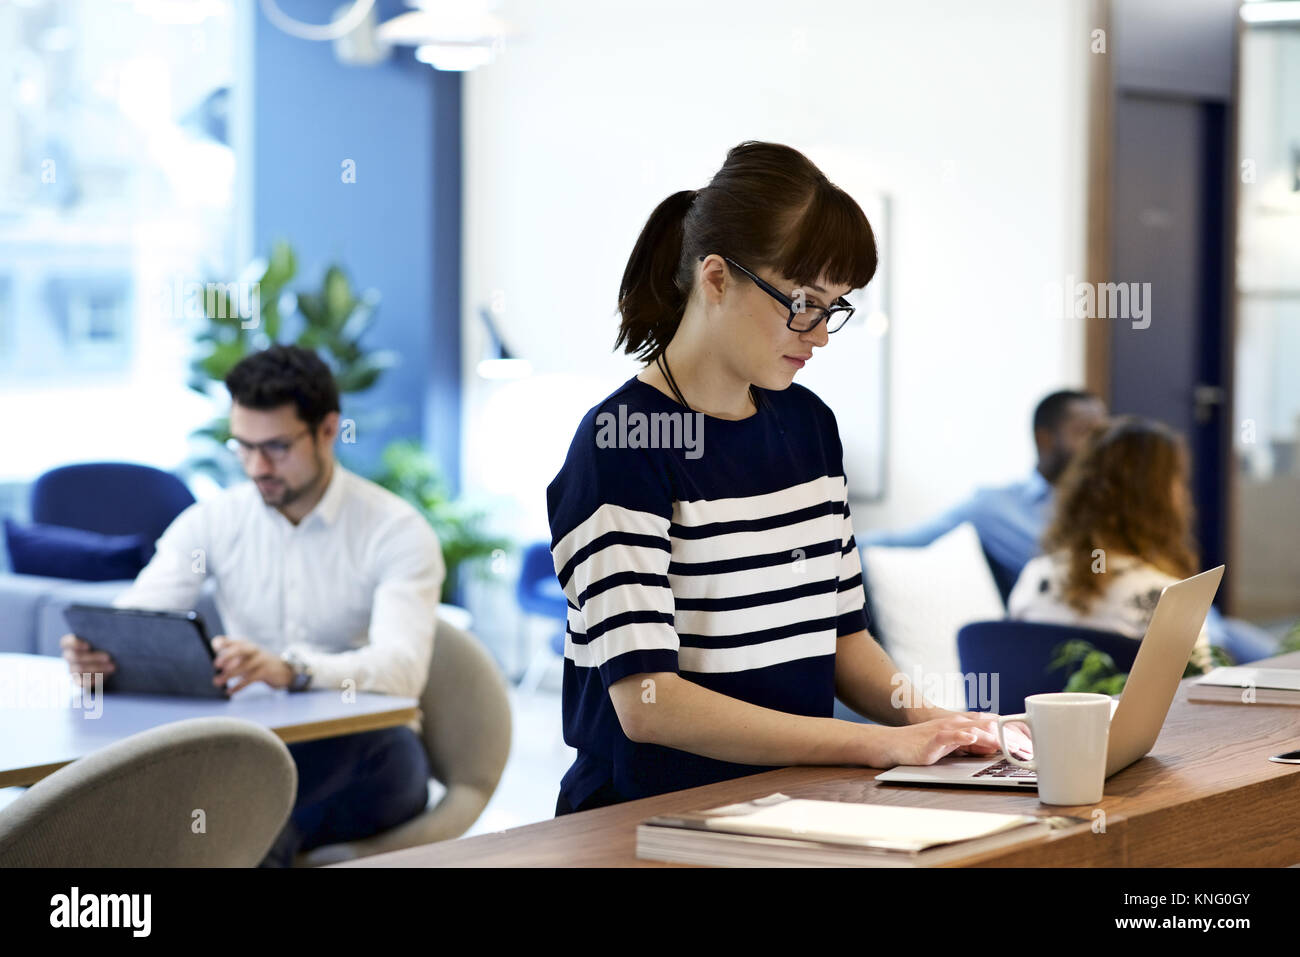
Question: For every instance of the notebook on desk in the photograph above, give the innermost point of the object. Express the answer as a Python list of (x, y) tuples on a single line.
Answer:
[(780, 831)]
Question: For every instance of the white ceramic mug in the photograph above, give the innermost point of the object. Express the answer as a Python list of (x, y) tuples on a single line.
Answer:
[(1069, 730)]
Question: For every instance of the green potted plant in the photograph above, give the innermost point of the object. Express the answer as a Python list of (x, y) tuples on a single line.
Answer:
[(408, 471), (331, 320)]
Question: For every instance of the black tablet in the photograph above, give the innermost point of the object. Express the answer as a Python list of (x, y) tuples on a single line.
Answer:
[(154, 652)]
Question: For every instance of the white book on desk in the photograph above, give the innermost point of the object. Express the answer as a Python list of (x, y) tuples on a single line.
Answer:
[(1244, 685), (780, 831)]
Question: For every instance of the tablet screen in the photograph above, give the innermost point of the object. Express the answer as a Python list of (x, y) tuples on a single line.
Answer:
[(154, 652)]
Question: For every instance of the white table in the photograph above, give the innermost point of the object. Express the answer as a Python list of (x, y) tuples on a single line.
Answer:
[(46, 722)]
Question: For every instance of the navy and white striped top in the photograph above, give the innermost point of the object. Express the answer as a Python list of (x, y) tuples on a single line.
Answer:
[(727, 558)]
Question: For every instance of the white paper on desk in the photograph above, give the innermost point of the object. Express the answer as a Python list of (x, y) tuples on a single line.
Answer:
[(1280, 679), (871, 825)]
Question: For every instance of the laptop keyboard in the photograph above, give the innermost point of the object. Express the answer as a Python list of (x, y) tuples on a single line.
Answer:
[(1005, 769)]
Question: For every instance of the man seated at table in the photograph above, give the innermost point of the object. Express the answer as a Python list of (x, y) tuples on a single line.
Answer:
[(323, 580)]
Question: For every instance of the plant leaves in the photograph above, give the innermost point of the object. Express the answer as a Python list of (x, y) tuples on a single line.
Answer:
[(363, 373), (408, 471), (337, 297), (281, 267), (312, 309)]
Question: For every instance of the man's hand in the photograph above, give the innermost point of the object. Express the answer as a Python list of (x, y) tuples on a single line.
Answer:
[(240, 658), (84, 663)]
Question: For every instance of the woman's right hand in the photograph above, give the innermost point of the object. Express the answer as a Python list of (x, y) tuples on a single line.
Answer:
[(925, 742)]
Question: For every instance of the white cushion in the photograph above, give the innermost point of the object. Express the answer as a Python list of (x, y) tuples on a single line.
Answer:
[(921, 597)]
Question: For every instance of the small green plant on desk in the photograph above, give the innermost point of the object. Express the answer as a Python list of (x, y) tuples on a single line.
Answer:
[(1291, 642), (1092, 670)]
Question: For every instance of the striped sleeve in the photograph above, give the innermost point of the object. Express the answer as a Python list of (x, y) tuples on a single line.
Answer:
[(610, 514)]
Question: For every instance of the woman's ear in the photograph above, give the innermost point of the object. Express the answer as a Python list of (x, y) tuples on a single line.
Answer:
[(713, 278)]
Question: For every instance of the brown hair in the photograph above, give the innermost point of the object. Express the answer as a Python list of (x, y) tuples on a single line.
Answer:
[(1115, 495), (768, 206)]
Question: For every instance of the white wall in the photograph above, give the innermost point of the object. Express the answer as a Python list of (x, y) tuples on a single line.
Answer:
[(970, 115)]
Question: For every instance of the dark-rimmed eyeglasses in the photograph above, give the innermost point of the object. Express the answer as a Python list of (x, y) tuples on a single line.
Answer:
[(802, 317), (274, 449)]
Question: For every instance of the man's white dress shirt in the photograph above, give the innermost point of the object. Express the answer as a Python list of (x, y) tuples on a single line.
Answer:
[(353, 588)]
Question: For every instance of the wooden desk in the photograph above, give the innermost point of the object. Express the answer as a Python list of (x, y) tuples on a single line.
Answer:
[(40, 732), (1206, 795)]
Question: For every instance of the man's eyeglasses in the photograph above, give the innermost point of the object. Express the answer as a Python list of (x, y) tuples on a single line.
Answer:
[(274, 449), (802, 318)]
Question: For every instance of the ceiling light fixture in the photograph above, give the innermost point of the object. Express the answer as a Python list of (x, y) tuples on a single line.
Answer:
[(453, 35)]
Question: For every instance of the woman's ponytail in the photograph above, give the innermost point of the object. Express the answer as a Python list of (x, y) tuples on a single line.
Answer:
[(652, 296)]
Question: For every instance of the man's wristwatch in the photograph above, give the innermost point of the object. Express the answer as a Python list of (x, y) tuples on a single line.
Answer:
[(301, 680)]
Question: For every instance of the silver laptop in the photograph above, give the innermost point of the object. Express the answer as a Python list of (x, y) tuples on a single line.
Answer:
[(1136, 718)]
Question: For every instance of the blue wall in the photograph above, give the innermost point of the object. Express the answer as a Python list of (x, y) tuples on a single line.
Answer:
[(396, 229)]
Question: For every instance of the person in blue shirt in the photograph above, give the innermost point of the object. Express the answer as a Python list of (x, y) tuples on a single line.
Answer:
[(1011, 519), (700, 526)]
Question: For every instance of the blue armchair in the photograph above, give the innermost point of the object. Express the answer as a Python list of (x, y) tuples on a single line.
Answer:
[(111, 498), (538, 592), (108, 498), (1019, 653)]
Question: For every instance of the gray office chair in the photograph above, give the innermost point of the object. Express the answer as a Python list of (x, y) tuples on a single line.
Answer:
[(204, 792), (467, 738)]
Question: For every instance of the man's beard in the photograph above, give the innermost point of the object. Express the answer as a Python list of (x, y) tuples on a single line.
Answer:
[(1053, 465), (281, 496), (287, 494)]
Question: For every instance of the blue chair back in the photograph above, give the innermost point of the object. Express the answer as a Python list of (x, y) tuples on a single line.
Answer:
[(538, 590), (111, 498), (1019, 653)]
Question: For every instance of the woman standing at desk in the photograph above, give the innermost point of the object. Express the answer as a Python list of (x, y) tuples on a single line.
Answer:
[(700, 525)]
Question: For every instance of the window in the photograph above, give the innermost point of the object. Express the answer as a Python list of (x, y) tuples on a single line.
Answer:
[(117, 186)]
